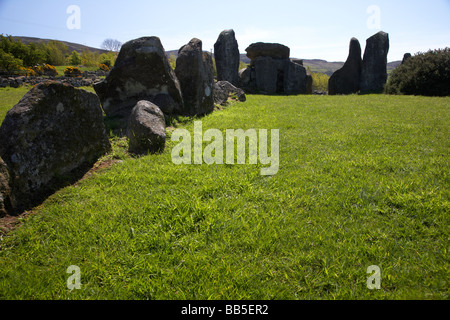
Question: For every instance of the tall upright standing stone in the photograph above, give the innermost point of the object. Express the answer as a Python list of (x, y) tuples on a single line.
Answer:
[(226, 53), (347, 79), (195, 73), (374, 66)]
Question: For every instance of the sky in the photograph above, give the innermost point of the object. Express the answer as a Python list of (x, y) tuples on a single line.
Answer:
[(312, 29)]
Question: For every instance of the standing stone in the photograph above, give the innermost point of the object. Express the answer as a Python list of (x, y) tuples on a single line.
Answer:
[(146, 129), (141, 72), (309, 83), (347, 79), (406, 56), (374, 66), (194, 70), (4, 188), (54, 131), (267, 75), (294, 78), (226, 53)]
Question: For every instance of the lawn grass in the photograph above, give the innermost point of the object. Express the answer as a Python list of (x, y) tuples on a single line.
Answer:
[(363, 180), (9, 97), (61, 69)]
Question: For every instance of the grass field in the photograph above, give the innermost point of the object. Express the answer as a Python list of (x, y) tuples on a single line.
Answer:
[(61, 69), (363, 180)]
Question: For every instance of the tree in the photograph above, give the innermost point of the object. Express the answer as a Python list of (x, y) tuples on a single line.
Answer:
[(111, 45), (35, 55), (426, 74), (56, 53), (75, 59), (89, 58), (108, 59), (8, 62), (320, 80)]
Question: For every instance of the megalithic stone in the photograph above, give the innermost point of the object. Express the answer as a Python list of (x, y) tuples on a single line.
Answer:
[(141, 72), (374, 66), (195, 73), (226, 53), (347, 79)]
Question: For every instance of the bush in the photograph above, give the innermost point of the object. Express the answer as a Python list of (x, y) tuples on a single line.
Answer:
[(29, 72), (103, 67), (426, 74), (75, 59), (107, 59), (8, 63), (320, 81), (50, 70), (38, 70), (72, 72)]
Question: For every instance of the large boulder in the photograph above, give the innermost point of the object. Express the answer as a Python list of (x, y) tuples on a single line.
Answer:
[(141, 72), (272, 50), (226, 53), (55, 132), (374, 67), (146, 129), (4, 188), (224, 90), (194, 70), (347, 79)]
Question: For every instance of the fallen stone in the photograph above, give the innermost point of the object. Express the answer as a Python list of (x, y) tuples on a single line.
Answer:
[(224, 90), (55, 132), (146, 129)]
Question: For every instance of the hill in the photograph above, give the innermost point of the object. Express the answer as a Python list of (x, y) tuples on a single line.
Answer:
[(72, 46)]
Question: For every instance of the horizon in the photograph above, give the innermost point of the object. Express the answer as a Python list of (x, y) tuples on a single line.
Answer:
[(299, 25)]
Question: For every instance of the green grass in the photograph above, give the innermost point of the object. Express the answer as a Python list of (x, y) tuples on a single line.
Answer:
[(363, 181), (61, 69), (9, 97)]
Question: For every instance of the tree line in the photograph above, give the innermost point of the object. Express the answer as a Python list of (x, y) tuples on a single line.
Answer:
[(15, 55)]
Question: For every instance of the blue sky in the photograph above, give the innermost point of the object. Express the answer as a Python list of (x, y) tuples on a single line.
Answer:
[(313, 29)]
